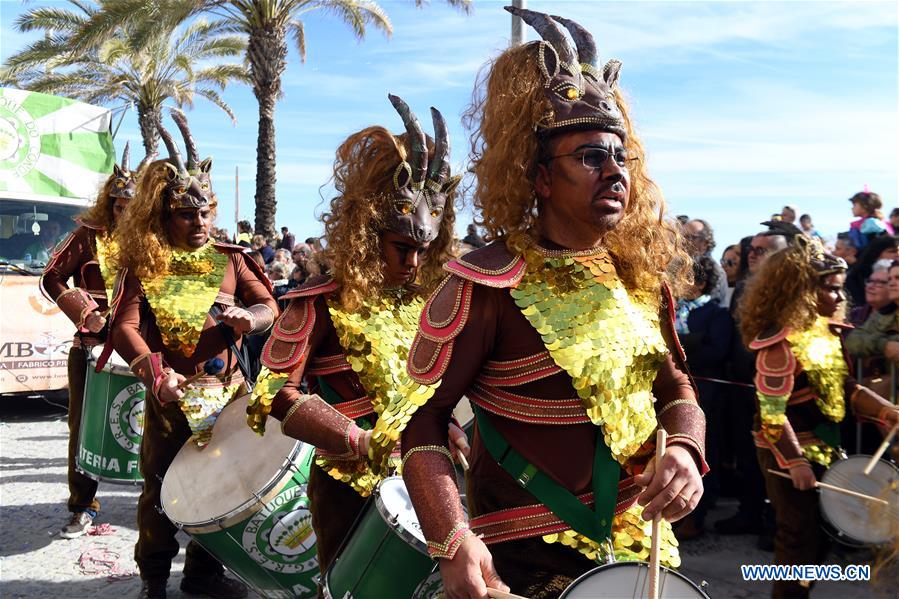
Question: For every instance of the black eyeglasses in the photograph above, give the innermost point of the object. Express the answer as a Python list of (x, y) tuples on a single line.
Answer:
[(757, 250), (594, 158), (876, 282), (728, 263)]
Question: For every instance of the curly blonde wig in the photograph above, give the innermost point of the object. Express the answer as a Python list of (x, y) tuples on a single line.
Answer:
[(363, 177), (782, 294), (507, 104), (100, 213), (143, 242)]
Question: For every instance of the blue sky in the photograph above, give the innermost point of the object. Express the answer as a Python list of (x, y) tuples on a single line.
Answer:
[(743, 106)]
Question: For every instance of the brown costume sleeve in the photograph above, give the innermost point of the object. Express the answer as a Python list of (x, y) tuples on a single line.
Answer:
[(427, 471), (127, 339), (309, 418), (255, 294), (67, 260), (868, 405), (676, 406)]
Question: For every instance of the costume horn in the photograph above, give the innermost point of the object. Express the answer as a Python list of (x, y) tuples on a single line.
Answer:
[(193, 157), (419, 159), (126, 157), (583, 39), (147, 160), (438, 170), (174, 154), (548, 30)]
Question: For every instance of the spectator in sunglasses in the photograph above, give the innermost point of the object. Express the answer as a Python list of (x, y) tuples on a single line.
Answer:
[(701, 241)]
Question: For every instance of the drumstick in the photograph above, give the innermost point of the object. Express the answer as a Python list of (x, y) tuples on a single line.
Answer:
[(821, 485), (661, 440), (211, 367), (462, 460), (498, 594), (881, 450)]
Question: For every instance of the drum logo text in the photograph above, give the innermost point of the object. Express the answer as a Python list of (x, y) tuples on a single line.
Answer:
[(280, 537), (126, 417)]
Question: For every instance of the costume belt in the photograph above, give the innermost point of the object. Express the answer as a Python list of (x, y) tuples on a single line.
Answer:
[(527, 409), (356, 408), (537, 520)]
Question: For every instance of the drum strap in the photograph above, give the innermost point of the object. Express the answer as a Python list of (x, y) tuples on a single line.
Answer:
[(240, 353), (829, 432), (595, 525)]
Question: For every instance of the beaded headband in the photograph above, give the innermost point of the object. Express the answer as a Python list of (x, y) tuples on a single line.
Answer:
[(580, 92)]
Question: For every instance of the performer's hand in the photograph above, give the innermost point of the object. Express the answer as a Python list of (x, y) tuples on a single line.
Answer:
[(470, 572), (891, 351), (168, 389), (458, 442), (238, 319), (94, 322), (803, 477), (891, 417), (364, 442), (673, 489)]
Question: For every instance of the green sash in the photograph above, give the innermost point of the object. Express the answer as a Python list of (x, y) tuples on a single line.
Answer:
[(595, 525)]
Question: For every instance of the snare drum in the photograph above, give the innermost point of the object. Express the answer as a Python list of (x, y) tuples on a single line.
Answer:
[(243, 498), (112, 422), (857, 522), (385, 554), (631, 579)]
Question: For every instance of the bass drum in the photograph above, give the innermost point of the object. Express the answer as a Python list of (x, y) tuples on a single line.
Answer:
[(631, 579), (856, 522)]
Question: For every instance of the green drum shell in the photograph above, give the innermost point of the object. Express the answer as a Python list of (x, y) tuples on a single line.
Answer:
[(249, 539), (377, 561), (108, 442)]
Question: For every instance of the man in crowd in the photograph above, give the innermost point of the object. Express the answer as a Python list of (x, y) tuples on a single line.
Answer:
[(287, 240), (701, 240), (261, 246), (845, 250), (788, 214), (178, 287), (472, 237), (578, 255), (244, 234)]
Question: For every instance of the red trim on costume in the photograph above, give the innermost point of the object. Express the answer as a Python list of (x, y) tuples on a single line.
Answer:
[(760, 342), (326, 285), (289, 339), (355, 408), (527, 409), (511, 373), (327, 365), (505, 277)]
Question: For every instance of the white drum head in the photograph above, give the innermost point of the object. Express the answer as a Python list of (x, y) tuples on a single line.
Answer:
[(115, 364), (630, 579), (861, 520), (236, 467), (395, 506)]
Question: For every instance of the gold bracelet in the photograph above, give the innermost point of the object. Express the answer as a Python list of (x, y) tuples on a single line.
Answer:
[(436, 448), (452, 541)]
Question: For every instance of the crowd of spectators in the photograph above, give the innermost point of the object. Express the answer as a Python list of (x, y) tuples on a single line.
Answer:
[(706, 323)]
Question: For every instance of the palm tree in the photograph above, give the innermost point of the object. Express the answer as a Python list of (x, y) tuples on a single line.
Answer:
[(267, 25), (167, 66)]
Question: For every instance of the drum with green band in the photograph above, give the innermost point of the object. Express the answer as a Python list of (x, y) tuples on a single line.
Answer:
[(385, 555), (112, 422), (243, 498)]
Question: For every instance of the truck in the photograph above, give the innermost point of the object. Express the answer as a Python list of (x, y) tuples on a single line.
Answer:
[(55, 154)]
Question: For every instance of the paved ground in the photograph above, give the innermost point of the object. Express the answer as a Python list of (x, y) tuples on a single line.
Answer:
[(35, 562)]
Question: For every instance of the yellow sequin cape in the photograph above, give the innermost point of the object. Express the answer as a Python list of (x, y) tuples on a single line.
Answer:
[(106, 247), (610, 343), (182, 294), (376, 339)]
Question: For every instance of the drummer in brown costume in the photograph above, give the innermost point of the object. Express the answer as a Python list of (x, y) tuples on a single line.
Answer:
[(560, 333), (388, 232), (163, 325), (792, 313), (83, 257)]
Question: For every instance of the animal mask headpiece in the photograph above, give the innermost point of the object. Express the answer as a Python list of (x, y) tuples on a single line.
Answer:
[(421, 190), (124, 179), (580, 92), (822, 262), (190, 185)]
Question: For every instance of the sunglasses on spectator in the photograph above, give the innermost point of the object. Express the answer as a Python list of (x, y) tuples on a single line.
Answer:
[(728, 263), (757, 250)]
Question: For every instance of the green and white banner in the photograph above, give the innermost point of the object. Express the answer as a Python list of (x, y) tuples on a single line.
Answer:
[(52, 146)]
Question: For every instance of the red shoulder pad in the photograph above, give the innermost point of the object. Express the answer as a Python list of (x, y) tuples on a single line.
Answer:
[(290, 336), (767, 339), (442, 319), (229, 248), (88, 225), (318, 285), (492, 266), (775, 367)]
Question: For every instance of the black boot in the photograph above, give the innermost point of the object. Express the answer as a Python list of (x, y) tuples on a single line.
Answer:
[(218, 586), (153, 588)]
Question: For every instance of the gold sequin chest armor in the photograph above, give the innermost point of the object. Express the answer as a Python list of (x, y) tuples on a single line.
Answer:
[(106, 247), (376, 339), (820, 353), (181, 296), (607, 339)]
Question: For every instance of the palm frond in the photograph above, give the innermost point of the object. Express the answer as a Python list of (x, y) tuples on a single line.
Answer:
[(465, 5), (215, 98), (358, 14), (298, 33)]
